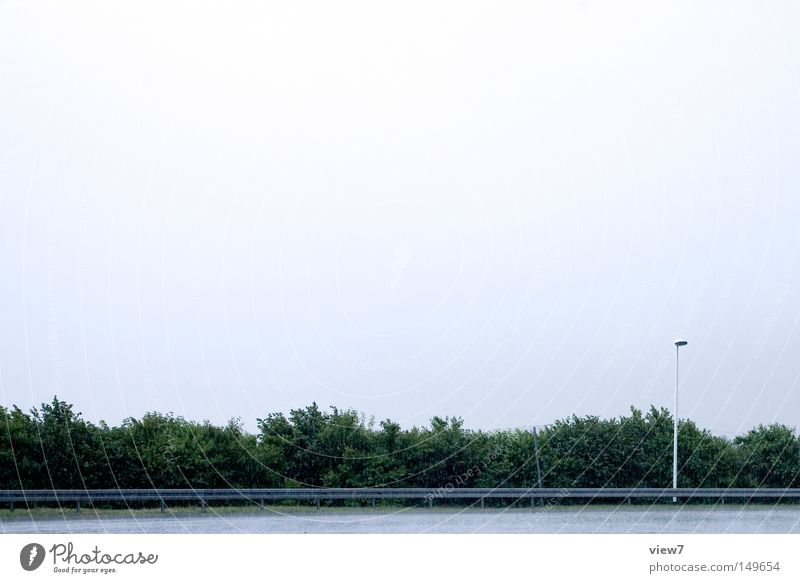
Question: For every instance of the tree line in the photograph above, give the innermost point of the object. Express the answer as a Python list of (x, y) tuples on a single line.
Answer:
[(52, 446)]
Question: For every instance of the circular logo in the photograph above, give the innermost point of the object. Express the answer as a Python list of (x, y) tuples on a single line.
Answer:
[(31, 556)]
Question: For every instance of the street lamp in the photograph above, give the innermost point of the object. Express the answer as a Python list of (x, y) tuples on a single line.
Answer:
[(678, 343)]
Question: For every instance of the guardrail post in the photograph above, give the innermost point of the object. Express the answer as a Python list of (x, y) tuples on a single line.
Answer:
[(12, 506), (261, 504), (161, 504), (77, 505), (317, 499), (373, 502), (202, 505), (482, 499), (430, 502)]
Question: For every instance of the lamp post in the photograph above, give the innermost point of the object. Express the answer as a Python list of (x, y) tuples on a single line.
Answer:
[(678, 343)]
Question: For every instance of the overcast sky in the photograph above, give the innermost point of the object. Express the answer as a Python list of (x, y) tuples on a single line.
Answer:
[(505, 212)]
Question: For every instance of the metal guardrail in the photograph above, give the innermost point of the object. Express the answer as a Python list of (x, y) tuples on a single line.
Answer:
[(260, 496)]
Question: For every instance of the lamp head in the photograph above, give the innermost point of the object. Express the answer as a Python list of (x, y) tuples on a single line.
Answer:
[(681, 342)]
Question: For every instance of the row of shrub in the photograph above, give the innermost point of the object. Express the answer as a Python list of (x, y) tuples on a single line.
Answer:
[(54, 447)]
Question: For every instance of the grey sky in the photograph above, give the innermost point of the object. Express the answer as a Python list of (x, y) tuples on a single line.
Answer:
[(499, 211)]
